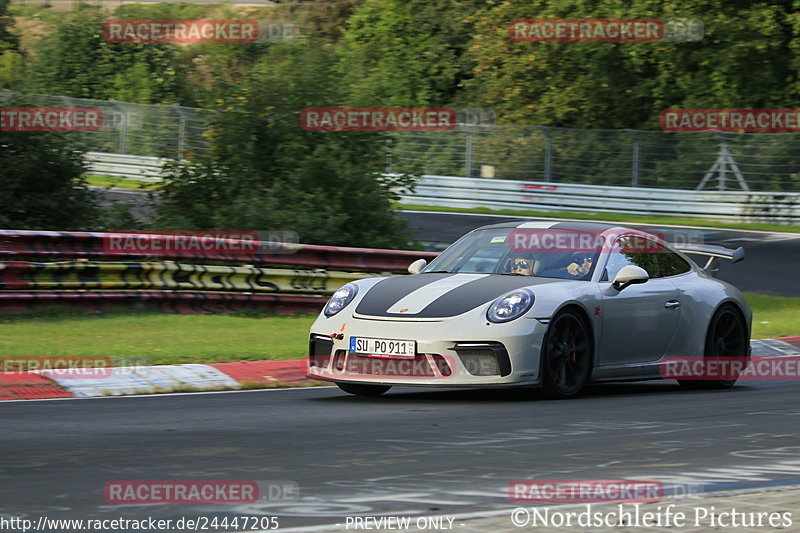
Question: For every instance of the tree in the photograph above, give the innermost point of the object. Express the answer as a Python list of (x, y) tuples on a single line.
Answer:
[(264, 172), (407, 52), (10, 57), (744, 60), (77, 61), (42, 184), (7, 36)]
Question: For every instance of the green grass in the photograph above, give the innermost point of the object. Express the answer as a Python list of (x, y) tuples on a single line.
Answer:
[(774, 316), (157, 338), (606, 217), (122, 183)]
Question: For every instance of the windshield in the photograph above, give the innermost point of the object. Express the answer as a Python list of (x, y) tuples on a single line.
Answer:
[(559, 254)]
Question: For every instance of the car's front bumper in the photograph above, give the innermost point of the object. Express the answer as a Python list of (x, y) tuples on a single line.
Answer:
[(462, 351)]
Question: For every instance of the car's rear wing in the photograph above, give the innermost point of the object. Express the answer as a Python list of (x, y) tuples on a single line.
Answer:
[(714, 253)]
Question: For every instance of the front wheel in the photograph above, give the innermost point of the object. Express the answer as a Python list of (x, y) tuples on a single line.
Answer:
[(726, 339), (566, 356), (372, 391)]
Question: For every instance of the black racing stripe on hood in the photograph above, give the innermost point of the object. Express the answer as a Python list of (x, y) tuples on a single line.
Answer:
[(459, 300), (478, 292), (386, 293)]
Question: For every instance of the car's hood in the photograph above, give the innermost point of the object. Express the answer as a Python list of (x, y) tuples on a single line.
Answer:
[(439, 295)]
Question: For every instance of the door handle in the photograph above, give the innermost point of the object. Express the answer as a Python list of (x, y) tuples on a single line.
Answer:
[(672, 304)]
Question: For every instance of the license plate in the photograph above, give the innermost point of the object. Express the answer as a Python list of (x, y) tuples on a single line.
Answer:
[(383, 347)]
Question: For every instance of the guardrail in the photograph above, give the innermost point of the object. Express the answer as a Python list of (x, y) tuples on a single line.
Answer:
[(17, 244), (91, 275), (450, 191), (447, 191), (175, 282), (126, 166)]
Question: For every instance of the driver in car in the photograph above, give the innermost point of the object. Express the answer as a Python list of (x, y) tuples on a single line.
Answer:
[(521, 265), (581, 266)]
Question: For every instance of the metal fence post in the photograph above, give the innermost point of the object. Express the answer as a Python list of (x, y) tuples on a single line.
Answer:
[(548, 153), (181, 131), (468, 154), (123, 129), (635, 159)]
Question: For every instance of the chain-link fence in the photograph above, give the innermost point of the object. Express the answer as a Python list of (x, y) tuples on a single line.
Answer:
[(136, 129), (720, 161)]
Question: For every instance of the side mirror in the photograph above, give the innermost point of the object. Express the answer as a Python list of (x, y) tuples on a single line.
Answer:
[(417, 266), (629, 275)]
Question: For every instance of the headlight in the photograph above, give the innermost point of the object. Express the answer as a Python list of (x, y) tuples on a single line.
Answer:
[(341, 298), (510, 306)]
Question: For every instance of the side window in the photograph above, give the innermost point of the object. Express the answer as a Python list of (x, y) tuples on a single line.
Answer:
[(616, 260), (645, 253), (634, 250), (671, 264)]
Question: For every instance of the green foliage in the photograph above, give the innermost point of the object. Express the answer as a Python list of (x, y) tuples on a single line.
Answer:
[(406, 52), (265, 173), (42, 185), (744, 60), (133, 85), (7, 36), (10, 67), (77, 61)]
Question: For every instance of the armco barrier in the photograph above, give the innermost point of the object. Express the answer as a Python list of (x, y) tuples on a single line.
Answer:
[(90, 275), (459, 192), (447, 191), (126, 166), (24, 244), (167, 301), (180, 285)]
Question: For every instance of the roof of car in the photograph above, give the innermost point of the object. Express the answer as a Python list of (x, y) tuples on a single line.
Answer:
[(590, 227)]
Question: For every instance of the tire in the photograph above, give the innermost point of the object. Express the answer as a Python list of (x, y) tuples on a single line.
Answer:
[(566, 360), (726, 337), (372, 391)]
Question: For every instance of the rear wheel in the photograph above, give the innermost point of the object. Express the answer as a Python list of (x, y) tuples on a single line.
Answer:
[(726, 338), (566, 356), (364, 390)]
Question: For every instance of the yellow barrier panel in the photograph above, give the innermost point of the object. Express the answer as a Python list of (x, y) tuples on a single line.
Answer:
[(177, 276)]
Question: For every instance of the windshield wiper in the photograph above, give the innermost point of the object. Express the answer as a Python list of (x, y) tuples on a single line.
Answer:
[(436, 272)]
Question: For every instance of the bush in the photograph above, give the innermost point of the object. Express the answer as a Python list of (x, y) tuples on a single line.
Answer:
[(42, 185)]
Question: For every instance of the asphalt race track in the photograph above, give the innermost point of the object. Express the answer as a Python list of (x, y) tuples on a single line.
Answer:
[(771, 264), (408, 453), (412, 452)]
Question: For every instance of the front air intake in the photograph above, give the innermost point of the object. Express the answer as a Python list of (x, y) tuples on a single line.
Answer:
[(484, 358), (319, 351)]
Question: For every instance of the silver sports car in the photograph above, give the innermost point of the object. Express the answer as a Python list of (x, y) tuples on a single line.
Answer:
[(553, 305)]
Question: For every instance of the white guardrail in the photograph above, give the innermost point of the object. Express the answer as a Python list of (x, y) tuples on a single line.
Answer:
[(448, 191), (125, 166)]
